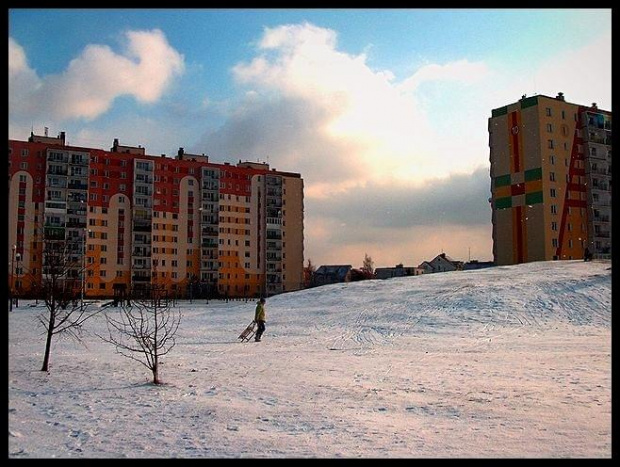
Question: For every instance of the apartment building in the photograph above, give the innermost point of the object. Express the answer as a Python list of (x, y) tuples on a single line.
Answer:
[(550, 180), (131, 221)]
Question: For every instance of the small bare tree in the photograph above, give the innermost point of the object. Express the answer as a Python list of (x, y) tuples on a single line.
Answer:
[(368, 267), (61, 287), (144, 330), (309, 273)]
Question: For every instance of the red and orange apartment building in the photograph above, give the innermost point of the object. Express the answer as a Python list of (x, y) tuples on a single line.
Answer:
[(550, 180), (190, 226)]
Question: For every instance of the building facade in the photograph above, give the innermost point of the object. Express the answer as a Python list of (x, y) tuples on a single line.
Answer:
[(132, 221), (550, 180)]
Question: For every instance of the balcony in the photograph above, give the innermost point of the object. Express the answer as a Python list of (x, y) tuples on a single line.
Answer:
[(57, 170), (142, 228), (142, 251), (141, 279), (209, 232), (78, 186), (54, 233)]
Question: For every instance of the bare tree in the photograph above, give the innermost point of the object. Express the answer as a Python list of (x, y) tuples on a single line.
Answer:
[(61, 286), (144, 330), (308, 273), (368, 267)]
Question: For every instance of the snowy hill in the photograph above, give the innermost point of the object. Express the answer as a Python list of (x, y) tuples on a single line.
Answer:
[(511, 361)]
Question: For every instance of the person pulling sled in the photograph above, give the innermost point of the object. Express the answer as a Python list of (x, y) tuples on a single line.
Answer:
[(259, 317)]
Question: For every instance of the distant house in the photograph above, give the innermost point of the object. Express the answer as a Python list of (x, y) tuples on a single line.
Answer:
[(359, 275), (441, 263), (475, 264), (397, 271), (426, 267), (331, 274)]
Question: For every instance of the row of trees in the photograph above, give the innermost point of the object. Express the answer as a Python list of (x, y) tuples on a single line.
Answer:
[(142, 329)]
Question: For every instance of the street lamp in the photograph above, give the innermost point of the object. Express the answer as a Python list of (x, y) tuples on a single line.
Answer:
[(17, 273)]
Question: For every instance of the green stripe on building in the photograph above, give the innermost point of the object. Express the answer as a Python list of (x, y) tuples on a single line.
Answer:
[(503, 203), (533, 174), (502, 180), (534, 198), (529, 102), (499, 112)]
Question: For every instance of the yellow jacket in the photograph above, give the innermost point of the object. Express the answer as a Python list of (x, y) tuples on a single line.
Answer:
[(259, 315)]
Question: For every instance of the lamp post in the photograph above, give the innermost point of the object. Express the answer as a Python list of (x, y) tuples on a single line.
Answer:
[(17, 273), (12, 272)]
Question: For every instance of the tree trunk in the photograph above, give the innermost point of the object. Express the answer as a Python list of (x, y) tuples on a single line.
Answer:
[(48, 347), (155, 370)]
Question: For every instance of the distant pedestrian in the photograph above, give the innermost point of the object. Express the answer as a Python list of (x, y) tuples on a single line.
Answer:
[(259, 317), (587, 256)]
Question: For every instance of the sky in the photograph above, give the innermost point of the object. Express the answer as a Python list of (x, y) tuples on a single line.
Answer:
[(383, 112), (503, 362)]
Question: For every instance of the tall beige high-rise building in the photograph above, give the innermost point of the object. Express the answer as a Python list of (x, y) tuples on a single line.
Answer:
[(550, 180), (130, 221)]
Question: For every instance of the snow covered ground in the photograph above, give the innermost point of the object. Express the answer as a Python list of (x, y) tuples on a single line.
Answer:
[(511, 361)]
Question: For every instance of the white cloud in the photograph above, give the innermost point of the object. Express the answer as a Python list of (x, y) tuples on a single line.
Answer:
[(361, 108), (88, 87), (461, 70), (583, 75)]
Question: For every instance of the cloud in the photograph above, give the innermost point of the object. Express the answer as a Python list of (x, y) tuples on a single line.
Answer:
[(583, 74), (456, 200), (328, 114), (462, 70), (91, 82), (377, 173), (391, 219)]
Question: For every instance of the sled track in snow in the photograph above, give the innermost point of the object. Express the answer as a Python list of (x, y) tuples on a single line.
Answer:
[(485, 303)]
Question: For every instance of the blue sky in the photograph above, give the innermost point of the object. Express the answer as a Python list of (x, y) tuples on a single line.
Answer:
[(383, 111)]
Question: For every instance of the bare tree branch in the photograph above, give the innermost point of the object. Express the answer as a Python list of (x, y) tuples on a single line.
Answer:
[(61, 272), (144, 330)]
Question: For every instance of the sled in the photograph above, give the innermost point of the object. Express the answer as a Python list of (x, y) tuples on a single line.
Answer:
[(248, 333)]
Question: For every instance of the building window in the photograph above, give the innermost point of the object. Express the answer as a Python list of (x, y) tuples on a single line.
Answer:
[(550, 143), (549, 128), (548, 111)]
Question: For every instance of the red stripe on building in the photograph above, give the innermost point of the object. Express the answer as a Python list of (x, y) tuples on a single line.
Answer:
[(514, 134), (571, 188), (518, 229), (517, 189)]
